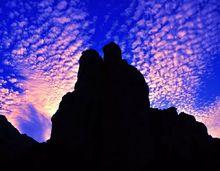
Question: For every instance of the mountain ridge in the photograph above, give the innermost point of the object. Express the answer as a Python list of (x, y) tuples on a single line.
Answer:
[(107, 123)]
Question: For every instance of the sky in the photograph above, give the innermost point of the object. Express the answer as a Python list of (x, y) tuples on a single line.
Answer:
[(174, 43)]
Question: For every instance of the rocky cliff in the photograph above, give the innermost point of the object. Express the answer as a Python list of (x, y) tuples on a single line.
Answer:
[(106, 123)]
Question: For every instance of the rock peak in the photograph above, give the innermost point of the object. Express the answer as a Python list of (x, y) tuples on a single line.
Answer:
[(110, 123), (106, 123), (112, 53)]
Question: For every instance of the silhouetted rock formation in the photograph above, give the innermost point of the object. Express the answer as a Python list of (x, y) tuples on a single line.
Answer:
[(12, 144), (106, 123)]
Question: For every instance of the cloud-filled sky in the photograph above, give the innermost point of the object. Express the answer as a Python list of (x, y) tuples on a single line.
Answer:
[(174, 43)]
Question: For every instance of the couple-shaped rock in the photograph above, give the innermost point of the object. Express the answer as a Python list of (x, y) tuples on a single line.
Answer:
[(102, 116), (109, 95), (113, 75)]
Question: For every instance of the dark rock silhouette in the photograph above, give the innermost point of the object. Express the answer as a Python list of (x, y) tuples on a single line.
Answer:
[(106, 123), (13, 145)]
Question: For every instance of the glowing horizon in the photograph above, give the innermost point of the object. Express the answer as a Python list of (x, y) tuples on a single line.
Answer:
[(175, 44)]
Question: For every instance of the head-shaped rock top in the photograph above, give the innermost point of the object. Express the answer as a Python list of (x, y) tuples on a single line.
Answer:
[(89, 57), (90, 67), (112, 52)]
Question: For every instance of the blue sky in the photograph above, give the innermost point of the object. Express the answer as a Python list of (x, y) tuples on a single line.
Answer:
[(175, 44)]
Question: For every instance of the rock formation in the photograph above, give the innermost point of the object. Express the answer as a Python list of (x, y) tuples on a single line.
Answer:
[(13, 145), (106, 123)]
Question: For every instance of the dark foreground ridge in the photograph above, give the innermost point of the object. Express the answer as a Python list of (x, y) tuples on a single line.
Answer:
[(106, 123)]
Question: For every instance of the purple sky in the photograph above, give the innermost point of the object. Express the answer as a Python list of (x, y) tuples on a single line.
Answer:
[(175, 44)]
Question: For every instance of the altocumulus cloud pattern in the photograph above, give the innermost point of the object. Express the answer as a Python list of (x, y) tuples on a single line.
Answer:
[(175, 44)]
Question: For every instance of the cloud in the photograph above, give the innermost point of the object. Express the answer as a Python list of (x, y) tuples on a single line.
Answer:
[(61, 5), (170, 42), (46, 52), (35, 124), (211, 117)]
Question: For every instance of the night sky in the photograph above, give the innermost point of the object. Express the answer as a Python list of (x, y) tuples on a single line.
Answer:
[(174, 43)]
